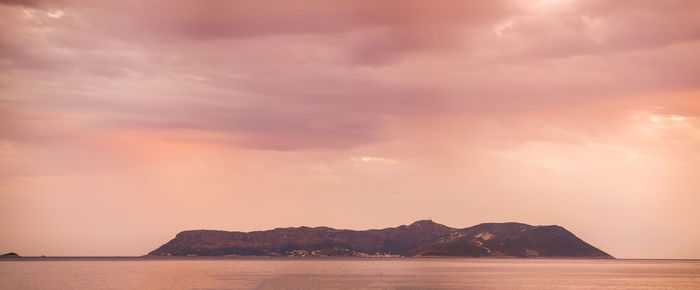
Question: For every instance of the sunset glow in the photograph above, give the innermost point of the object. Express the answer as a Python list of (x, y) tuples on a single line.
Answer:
[(123, 119)]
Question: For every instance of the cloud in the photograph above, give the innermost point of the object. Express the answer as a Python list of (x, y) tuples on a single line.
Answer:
[(374, 159), (476, 110), (339, 76), (20, 2)]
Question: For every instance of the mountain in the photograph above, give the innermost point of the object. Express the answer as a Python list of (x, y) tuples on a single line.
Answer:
[(423, 238)]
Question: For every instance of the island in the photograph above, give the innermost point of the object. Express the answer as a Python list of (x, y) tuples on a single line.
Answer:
[(423, 238), (10, 255)]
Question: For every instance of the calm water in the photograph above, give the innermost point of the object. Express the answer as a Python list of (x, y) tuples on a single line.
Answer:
[(125, 273)]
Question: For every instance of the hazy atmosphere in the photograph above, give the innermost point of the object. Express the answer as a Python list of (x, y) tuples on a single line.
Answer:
[(123, 123)]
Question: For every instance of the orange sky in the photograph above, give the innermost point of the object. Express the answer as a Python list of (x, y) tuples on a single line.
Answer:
[(125, 122)]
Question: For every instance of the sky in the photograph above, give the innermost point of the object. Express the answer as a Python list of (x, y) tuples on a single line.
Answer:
[(125, 122)]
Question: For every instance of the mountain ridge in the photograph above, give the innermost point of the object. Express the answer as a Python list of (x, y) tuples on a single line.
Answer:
[(423, 238)]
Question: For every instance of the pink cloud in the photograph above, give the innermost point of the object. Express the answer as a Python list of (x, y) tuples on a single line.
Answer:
[(343, 69)]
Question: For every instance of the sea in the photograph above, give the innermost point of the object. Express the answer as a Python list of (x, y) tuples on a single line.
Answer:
[(341, 273)]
